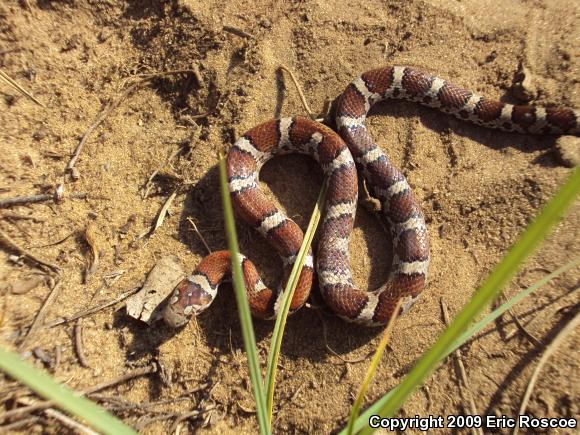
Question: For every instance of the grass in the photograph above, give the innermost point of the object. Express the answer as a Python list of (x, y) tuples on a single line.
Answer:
[(66, 399), (502, 272), (459, 331), (280, 325), (374, 365), (242, 302)]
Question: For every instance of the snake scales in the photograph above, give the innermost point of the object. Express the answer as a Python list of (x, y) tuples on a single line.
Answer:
[(337, 154)]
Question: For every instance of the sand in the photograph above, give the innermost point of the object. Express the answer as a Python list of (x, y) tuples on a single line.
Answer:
[(479, 189)]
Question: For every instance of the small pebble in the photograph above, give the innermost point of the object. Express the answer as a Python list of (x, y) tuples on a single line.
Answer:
[(567, 150), (39, 134)]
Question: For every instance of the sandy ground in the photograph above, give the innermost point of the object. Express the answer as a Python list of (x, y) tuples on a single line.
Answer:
[(479, 189)]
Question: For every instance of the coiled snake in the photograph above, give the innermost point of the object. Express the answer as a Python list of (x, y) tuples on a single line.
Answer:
[(337, 154)]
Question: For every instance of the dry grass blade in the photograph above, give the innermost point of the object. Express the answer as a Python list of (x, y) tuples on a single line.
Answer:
[(164, 211), (7, 241), (278, 333), (21, 200), (92, 310), (59, 395), (196, 230), (372, 369), (549, 351), (40, 316), (19, 88), (300, 93), (466, 392)]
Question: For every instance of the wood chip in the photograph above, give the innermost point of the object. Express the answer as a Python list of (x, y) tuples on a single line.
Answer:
[(165, 275)]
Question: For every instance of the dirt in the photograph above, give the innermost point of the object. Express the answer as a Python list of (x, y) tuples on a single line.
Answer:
[(479, 189)]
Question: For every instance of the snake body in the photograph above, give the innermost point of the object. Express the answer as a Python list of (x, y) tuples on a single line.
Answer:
[(337, 156)]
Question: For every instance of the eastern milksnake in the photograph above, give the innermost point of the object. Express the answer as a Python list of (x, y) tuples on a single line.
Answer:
[(335, 154)]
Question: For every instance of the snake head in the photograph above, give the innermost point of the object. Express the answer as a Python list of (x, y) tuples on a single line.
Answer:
[(187, 300)]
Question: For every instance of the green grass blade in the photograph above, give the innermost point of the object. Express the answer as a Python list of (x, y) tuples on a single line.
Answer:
[(371, 370), (478, 326), (467, 335), (242, 301), (535, 233), (66, 399), (278, 332)]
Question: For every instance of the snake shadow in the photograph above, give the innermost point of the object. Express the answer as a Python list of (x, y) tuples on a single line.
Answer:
[(293, 181)]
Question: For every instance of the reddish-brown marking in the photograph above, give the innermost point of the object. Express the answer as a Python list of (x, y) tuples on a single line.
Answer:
[(286, 238), (240, 163), (378, 80), (562, 118), (488, 110), (412, 246), (416, 82), (251, 205), (351, 103), (264, 137), (403, 206), (345, 300), (342, 186), (453, 97)]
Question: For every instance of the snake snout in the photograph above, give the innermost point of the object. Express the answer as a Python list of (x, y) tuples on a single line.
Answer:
[(188, 299)]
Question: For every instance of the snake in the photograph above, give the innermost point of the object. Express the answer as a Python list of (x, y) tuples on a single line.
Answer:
[(342, 155)]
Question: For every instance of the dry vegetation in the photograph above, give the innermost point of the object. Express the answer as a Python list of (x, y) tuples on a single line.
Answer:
[(99, 69)]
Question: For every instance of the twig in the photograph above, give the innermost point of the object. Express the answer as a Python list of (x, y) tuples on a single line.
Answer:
[(238, 32), (121, 405), (536, 310), (9, 428), (152, 368), (163, 212), (93, 260), (42, 405), (92, 310), (111, 105), (78, 331), (13, 215), (190, 414), (300, 93), (192, 223), (41, 313), (140, 425), (152, 176), (466, 390), (19, 412), (197, 75), (532, 338), (57, 357), (20, 200), (69, 422), (58, 242), (7, 241), (23, 91), (550, 349)]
